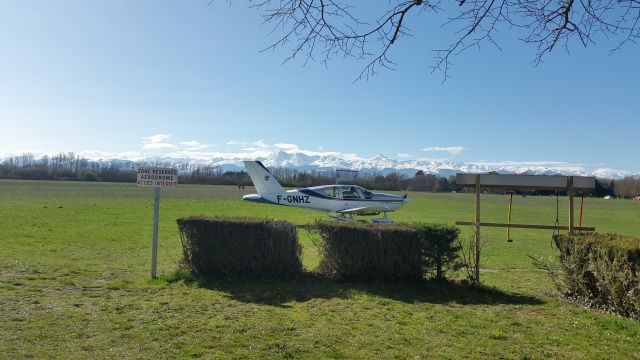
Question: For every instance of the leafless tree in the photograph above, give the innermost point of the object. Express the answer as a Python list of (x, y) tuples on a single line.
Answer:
[(628, 187), (323, 29)]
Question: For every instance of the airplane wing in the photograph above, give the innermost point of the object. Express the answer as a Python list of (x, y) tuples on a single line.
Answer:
[(365, 210)]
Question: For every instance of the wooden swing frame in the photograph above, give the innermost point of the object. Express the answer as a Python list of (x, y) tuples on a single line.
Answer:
[(570, 184)]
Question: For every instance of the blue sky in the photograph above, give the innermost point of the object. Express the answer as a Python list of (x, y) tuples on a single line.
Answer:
[(108, 76)]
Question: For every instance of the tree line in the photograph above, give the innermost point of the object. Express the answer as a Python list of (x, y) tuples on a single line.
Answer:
[(628, 187), (73, 167)]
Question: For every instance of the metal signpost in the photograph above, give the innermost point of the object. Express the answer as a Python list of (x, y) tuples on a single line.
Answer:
[(156, 177)]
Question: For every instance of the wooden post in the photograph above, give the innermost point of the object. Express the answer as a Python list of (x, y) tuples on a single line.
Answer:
[(570, 193), (477, 237)]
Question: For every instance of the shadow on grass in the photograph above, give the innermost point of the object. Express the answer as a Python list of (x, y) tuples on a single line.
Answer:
[(308, 287)]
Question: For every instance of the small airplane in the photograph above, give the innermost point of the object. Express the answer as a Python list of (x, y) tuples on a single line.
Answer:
[(340, 201)]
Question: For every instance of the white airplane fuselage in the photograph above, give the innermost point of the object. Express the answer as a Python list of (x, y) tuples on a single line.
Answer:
[(311, 198)]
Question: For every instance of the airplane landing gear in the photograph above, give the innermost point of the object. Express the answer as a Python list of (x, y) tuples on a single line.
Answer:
[(350, 218), (342, 217), (382, 220)]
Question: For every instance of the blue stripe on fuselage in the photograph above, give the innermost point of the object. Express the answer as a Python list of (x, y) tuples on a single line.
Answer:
[(380, 197), (315, 194)]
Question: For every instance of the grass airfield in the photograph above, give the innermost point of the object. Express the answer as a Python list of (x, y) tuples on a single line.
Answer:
[(74, 283)]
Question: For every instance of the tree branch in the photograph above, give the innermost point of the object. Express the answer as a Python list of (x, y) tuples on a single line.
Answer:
[(328, 28)]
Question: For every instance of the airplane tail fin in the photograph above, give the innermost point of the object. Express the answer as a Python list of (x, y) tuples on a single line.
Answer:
[(262, 178)]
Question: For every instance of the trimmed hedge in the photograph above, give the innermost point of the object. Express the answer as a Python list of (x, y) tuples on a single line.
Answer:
[(220, 246), (602, 270), (363, 251), (355, 251)]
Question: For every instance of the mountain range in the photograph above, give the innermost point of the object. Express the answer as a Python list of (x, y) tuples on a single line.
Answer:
[(380, 164)]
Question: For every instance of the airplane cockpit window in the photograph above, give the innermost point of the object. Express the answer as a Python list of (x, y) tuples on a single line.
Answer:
[(330, 192), (349, 192), (366, 193)]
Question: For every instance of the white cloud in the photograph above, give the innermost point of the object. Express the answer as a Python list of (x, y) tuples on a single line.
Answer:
[(403, 156), (159, 145), (157, 138), (255, 145), (195, 145), (157, 141), (260, 144), (232, 142), (453, 150), (287, 147), (191, 143)]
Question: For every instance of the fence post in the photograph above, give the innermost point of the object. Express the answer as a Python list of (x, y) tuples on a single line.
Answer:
[(570, 193)]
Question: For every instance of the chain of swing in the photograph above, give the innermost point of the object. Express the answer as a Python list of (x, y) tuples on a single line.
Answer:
[(556, 230)]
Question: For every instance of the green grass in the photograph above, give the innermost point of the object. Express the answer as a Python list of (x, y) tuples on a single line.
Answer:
[(74, 283)]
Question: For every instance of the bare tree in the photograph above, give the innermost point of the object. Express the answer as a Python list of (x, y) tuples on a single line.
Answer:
[(322, 29), (628, 187)]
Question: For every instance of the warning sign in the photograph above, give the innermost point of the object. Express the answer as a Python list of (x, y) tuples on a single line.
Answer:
[(157, 177)]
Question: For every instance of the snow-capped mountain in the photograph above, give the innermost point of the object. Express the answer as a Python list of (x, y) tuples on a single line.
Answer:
[(379, 164), (329, 161)]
